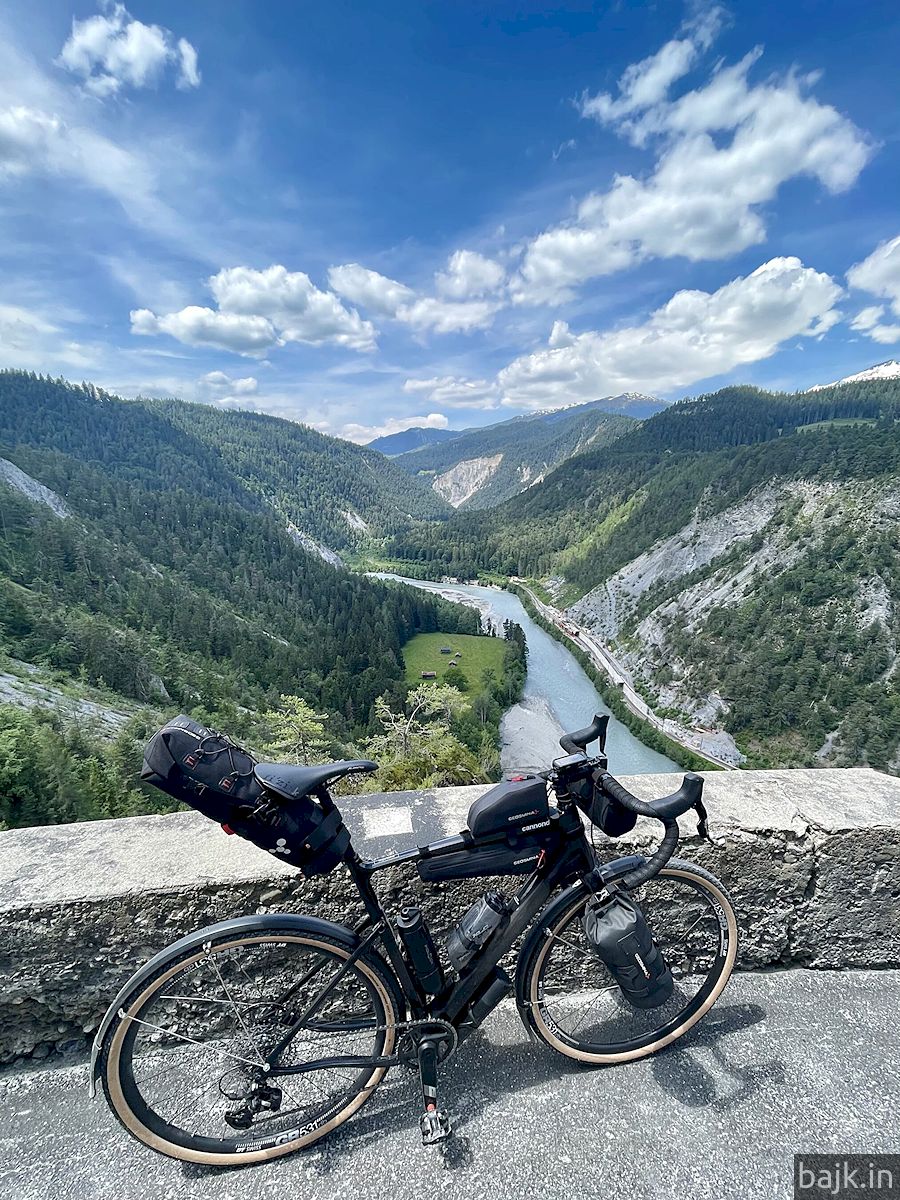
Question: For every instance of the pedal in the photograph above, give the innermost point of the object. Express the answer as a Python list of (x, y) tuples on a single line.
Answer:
[(435, 1126)]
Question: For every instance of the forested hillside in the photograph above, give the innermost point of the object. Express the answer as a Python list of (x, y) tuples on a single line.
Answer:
[(344, 496), (612, 502), (740, 553), (331, 490), (133, 557), (481, 468)]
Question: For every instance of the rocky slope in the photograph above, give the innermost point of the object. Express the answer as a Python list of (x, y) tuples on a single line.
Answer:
[(663, 613), (465, 478), (479, 468)]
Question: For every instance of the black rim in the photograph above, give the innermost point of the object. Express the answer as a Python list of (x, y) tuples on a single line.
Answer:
[(583, 1006), (192, 1079)]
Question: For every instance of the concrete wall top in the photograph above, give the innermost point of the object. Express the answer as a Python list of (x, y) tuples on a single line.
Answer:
[(102, 860)]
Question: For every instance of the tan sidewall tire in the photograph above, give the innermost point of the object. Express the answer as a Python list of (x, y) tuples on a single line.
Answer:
[(120, 1106), (551, 1039)]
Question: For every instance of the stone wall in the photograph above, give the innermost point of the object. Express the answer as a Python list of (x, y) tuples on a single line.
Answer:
[(811, 858)]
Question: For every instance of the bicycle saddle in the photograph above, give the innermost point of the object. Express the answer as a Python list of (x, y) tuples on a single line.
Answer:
[(292, 782)]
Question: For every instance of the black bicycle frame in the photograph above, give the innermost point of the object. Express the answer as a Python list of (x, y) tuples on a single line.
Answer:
[(572, 859)]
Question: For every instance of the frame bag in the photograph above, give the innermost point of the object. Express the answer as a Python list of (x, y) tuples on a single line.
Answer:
[(619, 935), (209, 772)]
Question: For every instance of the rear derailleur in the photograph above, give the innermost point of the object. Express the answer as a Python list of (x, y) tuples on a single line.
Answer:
[(252, 1094)]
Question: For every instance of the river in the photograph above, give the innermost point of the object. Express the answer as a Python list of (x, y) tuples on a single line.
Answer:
[(558, 695)]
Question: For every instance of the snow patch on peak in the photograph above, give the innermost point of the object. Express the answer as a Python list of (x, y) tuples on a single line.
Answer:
[(883, 370)]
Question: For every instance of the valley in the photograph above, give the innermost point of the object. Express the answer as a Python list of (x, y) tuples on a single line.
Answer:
[(480, 468), (726, 571), (152, 555), (736, 556), (557, 694)]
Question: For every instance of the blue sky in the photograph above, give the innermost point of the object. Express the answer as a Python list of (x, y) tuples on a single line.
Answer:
[(371, 216)]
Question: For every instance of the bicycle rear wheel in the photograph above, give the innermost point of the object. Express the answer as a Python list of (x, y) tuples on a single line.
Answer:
[(185, 1068), (575, 1005)]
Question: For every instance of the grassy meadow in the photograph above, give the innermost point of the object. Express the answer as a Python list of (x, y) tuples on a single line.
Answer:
[(475, 656)]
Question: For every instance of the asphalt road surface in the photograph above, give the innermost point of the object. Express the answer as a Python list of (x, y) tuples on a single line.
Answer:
[(787, 1061)]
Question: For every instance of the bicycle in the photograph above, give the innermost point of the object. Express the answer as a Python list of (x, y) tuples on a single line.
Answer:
[(257, 1036)]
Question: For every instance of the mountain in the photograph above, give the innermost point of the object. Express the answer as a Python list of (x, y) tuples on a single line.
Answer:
[(146, 548), (884, 370), (739, 553), (332, 494), (393, 444), (483, 467)]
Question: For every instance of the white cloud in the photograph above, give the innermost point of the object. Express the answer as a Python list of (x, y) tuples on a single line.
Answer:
[(469, 274), (300, 310), (452, 391), (189, 73), (112, 50), (370, 290), (37, 140), (879, 274), (195, 326), (460, 307), (646, 84), (218, 381), (34, 341), (27, 136), (353, 432), (448, 316), (261, 309), (869, 322), (724, 150), (695, 336)]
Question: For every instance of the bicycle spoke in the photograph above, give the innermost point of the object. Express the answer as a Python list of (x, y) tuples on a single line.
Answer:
[(676, 912), (237, 1011), (200, 1049)]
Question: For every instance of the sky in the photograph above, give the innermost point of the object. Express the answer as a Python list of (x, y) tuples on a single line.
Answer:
[(368, 217)]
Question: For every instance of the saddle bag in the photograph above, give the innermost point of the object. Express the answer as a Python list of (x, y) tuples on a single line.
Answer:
[(619, 935), (209, 772)]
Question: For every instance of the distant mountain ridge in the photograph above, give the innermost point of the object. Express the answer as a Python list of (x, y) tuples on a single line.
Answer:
[(393, 444), (482, 467), (890, 369)]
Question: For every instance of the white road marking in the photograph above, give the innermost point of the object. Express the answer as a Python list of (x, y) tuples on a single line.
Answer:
[(387, 822)]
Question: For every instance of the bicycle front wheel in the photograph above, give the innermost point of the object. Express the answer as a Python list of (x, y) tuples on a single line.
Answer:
[(575, 1005), (186, 1067)]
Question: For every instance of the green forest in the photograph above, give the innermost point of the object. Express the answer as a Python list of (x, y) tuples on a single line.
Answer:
[(174, 583), (170, 578), (793, 658), (603, 507)]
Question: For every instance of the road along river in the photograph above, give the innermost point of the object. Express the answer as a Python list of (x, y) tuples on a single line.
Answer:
[(558, 695)]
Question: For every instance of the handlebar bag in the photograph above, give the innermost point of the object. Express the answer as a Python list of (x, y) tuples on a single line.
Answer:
[(600, 809), (211, 773), (619, 935)]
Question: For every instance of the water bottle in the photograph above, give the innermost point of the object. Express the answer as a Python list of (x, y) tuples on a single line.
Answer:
[(481, 922), (420, 950)]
